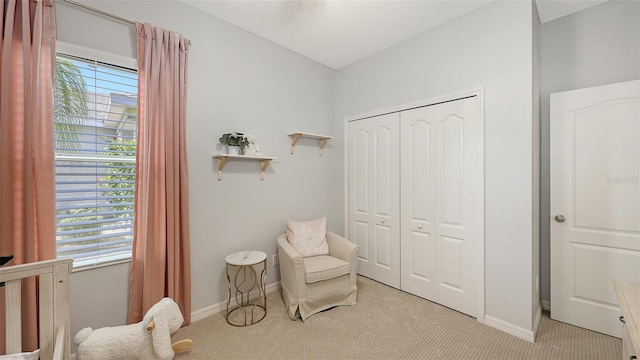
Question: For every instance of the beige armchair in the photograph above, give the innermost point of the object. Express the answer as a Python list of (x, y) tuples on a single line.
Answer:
[(313, 284)]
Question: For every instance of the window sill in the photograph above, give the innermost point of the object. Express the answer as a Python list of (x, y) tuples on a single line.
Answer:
[(86, 265)]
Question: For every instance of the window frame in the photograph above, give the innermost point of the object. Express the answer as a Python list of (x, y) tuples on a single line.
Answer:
[(64, 48)]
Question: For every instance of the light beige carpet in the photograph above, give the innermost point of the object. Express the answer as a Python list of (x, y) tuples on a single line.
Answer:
[(387, 324)]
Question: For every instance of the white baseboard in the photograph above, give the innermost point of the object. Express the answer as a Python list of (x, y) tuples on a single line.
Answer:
[(222, 306), (546, 305), (509, 328), (536, 321)]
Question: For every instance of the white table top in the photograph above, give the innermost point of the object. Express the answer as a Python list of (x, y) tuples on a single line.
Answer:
[(242, 258), (628, 294)]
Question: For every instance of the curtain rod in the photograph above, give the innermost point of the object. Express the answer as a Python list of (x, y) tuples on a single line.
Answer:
[(75, 3), (92, 9)]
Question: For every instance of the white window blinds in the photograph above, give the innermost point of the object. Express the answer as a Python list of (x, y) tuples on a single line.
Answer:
[(95, 116)]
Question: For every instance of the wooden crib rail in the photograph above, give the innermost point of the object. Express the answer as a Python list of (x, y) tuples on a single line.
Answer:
[(54, 317), (59, 347)]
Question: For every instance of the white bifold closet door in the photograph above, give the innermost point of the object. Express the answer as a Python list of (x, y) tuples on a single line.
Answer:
[(415, 200), (440, 209), (374, 193)]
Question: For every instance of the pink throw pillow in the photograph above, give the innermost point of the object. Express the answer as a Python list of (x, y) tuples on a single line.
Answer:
[(308, 237)]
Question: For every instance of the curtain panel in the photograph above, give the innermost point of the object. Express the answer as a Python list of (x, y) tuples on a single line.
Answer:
[(27, 175), (161, 252)]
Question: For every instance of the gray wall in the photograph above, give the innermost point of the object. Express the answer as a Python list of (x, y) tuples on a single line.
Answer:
[(237, 81), (597, 46), (491, 48)]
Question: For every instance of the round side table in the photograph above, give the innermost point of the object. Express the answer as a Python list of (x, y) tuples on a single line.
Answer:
[(246, 281)]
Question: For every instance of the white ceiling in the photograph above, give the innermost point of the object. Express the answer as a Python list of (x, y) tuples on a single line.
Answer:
[(554, 9), (338, 32)]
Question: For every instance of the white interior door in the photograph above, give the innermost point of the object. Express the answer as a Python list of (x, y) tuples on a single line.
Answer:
[(441, 207), (595, 202), (373, 215)]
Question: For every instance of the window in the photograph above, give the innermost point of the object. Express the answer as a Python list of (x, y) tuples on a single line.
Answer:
[(95, 117)]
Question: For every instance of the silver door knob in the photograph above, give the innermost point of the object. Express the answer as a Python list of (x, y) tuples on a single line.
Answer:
[(382, 221), (560, 218), (420, 226)]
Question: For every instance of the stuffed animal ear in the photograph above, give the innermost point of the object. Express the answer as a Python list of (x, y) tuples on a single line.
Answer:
[(162, 339)]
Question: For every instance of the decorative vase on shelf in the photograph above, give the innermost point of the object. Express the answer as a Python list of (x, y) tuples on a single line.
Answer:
[(233, 150)]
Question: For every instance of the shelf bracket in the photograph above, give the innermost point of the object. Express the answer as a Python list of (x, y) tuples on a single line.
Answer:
[(294, 140), (263, 166), (221, 162), (322, 143)]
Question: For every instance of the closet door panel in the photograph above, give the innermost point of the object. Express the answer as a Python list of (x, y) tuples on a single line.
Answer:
[(374, 196), (457, 148), (385, 193), (359, 202), (384, 173), (451, 270), (450, 151), (419, 176), (360, 237), (415, 182), (361, 173), (420, 246), (417, 131), (383, 241)]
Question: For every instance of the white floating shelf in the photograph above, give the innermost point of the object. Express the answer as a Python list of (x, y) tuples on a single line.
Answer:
[(295, 136), (222, 160)]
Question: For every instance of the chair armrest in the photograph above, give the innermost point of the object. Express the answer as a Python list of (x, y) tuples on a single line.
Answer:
[(342, 248), (346, 250), (291, 268)]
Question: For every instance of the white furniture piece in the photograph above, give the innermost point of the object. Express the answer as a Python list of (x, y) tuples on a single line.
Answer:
[(244, 286), (415, 200), (222, 161), (54, 318), (317, 283), (322, 139), (628, 294)]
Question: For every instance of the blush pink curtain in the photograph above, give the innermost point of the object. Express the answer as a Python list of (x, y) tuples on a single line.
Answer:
[(27, 187), (161, 256)]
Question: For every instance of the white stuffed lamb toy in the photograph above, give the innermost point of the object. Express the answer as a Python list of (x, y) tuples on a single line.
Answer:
[(149, 339)]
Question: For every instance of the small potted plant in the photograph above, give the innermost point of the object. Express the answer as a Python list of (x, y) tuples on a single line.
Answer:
[(235, 141)]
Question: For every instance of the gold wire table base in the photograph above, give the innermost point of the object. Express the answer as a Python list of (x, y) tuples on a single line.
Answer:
[(253, 320), (246, 281)]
